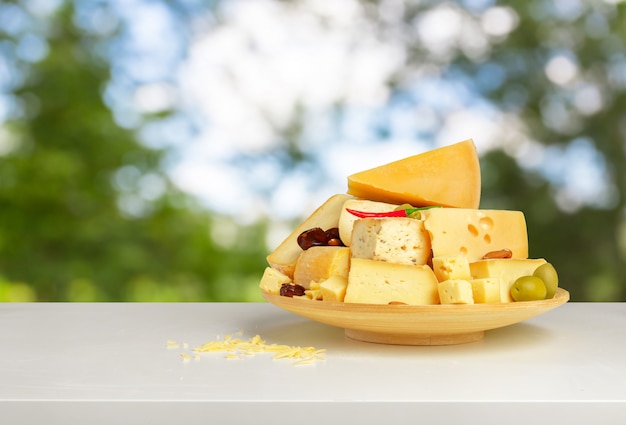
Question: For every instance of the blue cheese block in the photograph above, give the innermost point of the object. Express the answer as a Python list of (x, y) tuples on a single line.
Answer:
[(378, 282), (394, 240)]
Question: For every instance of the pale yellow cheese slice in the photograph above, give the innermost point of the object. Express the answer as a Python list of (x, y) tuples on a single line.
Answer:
[(377, 282), (474, 233), (447, 176)]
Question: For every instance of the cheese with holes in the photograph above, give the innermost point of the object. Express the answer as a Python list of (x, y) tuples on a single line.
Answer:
[(347, 220), (451, 267), (284, 257), (455, 291), (321, 262), (486, 290), (474, 233), (334, 288), (506, 270), (394, 240), (378, 282), (448, 176), (272, 280)]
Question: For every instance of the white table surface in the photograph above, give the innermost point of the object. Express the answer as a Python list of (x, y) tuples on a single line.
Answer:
[(109, 363)]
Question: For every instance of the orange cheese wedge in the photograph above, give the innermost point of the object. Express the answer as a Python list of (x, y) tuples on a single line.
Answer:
[(447, 176)]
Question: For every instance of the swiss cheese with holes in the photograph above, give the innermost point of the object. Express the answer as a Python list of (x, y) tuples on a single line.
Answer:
[(474, 233)]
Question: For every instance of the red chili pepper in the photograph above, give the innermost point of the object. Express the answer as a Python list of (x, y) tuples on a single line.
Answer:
[(397, 213), (367, 214)]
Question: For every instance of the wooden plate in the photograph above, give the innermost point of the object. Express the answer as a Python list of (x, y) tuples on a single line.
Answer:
[(417, 325)]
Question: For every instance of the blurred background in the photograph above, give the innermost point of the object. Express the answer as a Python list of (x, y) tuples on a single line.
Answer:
[(155, 150)]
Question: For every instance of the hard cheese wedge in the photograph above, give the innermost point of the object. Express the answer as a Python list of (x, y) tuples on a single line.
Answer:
[(474, 233), (447, 176), (318, 263)]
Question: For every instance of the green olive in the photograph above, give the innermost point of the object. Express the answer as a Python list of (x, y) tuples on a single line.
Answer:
[(528, 288), (403, 207), (548, 274)]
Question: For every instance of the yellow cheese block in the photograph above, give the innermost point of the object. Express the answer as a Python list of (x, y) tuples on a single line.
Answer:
[(447, 176), (272, 280), (455, 291), (474, 233), (284, 257), (451, 267), (395, 240), (321, 262), (347, 220), (377, 282), (486, 290), (334, 288), (507, 271)]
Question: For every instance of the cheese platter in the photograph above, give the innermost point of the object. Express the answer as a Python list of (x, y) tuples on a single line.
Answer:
[(417, 325), (407, 256)]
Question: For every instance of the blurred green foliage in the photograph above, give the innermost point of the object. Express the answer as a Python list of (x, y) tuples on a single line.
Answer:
[(75, 223), (88, 214)]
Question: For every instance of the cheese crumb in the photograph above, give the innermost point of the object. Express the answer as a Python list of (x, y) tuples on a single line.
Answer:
[(236, 348)]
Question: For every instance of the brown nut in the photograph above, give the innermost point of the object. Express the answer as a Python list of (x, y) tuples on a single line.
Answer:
[(503, 253)]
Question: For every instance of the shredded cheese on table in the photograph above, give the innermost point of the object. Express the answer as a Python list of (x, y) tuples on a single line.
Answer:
[(236, 348)]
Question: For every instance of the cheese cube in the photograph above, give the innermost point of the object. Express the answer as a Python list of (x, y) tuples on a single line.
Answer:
[(451, 267), (378, 282), (474, 233), (455, 291), (506, 270), (321, 262), (272, 280), (347, 220), (394, 240), (486, 290), (334, 288)]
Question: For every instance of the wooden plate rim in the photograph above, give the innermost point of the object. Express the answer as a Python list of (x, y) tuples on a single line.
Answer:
[(561, 296)]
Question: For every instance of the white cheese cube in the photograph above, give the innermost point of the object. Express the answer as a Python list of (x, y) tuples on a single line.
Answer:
[(347, 220), (395, 240)]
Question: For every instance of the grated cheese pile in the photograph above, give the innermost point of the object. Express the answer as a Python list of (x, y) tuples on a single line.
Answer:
[(236, 348)]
